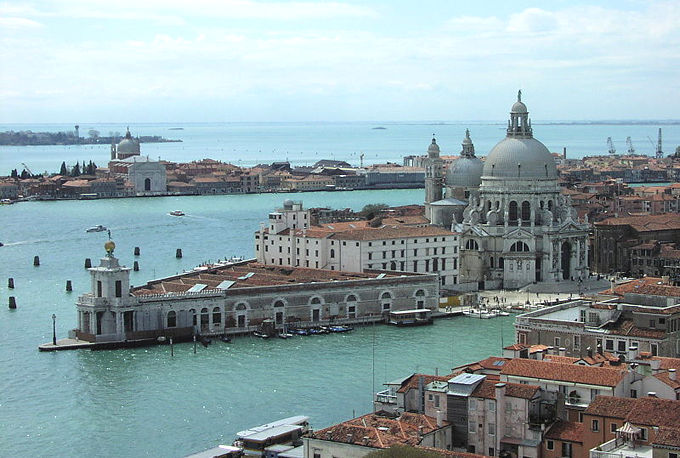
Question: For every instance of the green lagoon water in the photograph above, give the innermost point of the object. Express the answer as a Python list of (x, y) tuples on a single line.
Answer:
[(142, 402)]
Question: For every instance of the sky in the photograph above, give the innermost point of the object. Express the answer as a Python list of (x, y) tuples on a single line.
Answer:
[(382, 60)]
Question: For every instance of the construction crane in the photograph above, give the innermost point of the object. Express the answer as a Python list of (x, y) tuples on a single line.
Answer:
[(610, 144), (27, 169), (629, 143)]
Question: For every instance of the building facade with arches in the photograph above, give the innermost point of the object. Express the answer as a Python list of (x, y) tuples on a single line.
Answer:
[(518, 228), (238, 297)]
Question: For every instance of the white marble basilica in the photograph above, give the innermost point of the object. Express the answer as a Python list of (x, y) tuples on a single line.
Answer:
[(515, 226)]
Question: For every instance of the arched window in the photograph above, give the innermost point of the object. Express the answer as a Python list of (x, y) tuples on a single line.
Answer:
[(512, 211), (393, 265), (519, 246), (279, 312), (471, 245), (279, 304), (205, 319), (217, 316), (526, 211), (241, 314), (315, 300), (501, 262), (192, 312), (550, 205), (99, 288), (351, 298), (172, 319), (491, 262), (332, 253), (386, 301), (351, 306)]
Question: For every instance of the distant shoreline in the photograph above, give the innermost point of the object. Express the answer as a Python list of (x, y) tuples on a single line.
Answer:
[(29, 138)]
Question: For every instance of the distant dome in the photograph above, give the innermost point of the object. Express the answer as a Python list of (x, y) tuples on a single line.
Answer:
[(128, 144), (465, 172), (288, 204), (520, 158)]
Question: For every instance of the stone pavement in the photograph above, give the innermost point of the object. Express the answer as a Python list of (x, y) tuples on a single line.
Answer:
[(65, 344)]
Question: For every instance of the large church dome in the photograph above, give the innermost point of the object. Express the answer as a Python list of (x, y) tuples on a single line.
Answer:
[(466, 171), (519, 155)]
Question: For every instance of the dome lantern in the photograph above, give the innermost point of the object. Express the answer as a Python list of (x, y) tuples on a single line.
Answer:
[(519, 125), (433, 149)]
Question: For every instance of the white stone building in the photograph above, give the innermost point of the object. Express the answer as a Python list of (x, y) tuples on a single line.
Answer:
[(239, 297), (289, 240), (147, 177), (518, 228)]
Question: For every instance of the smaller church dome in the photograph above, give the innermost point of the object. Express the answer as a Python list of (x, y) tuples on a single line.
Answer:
[(466, 171)]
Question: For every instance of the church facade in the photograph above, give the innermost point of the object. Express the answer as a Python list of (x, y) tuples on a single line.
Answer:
[(515, 227)]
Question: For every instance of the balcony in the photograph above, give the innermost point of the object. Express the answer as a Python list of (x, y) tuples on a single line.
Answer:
[(620, 448), (384, 397)]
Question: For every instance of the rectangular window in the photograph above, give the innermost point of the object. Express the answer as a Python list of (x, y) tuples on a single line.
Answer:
[(492, 429), (595, 426), (583, 316), (491, 406), (472, 404), (436, 400), (609, 345), (557, 342), (577, 342), (612, 427), (550, 445), (621, 345), (655, 349), (119, 288), (652, 323), (633, 394), (472, 427), (492, 452)]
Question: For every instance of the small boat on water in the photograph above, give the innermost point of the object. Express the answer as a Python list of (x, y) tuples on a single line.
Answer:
[(284, 335), (260, 334), (225, 338), (340, 328), (176, 213), (6, 202), (300, 332), (97, 228)]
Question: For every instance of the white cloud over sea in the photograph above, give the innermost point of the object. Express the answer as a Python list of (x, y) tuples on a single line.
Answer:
[(211, 60)]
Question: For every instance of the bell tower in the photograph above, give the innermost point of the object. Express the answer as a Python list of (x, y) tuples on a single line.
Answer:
[(433, 174)]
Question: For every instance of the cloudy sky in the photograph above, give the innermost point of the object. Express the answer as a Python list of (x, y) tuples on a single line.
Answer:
[(248, 60)]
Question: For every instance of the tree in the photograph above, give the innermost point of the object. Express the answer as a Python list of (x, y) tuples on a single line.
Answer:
[(63, 170), (370, 211), (25, 174), (75, 171), (93, 133)]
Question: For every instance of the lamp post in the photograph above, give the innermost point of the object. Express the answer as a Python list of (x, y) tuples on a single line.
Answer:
[(54, 329)]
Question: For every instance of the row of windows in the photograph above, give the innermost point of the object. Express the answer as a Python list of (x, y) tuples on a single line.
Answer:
[(438, 264)]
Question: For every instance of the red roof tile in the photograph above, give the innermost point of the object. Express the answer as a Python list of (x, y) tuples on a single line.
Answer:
[(566, 431), (547, 370)]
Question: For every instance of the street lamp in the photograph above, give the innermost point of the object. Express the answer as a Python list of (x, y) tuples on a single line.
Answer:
[(54, 329)]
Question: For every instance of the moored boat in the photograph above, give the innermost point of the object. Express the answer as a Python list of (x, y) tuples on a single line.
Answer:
[(176, 213)]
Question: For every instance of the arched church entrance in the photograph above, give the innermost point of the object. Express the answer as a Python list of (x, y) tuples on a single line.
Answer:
[(566, 260)]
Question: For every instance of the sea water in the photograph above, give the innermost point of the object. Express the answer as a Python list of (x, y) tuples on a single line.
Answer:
[(143, 402), (248, 144)]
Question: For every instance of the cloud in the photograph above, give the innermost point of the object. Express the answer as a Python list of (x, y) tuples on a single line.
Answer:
[(18, 22)]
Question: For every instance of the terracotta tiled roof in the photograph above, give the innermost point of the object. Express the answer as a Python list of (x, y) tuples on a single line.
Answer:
[(642, 411), (663, 377), (668, 363), (566, 431), (668, 437), (561, 359), (665, 221), (412, 382), (373, 430), (450, 453), (392, 232), (546, 370), (487, 390), (627, 328)]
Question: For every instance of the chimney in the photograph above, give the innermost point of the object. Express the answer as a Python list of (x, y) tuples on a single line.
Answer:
[(420, 431), (436, 371), (564, 152), (671, 374), (654, 364), (589, 351), (440, 418), (329, 435), (632, 353), (599, 349), (549, 350), (366, 440), (651, 394), (563, 351)]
